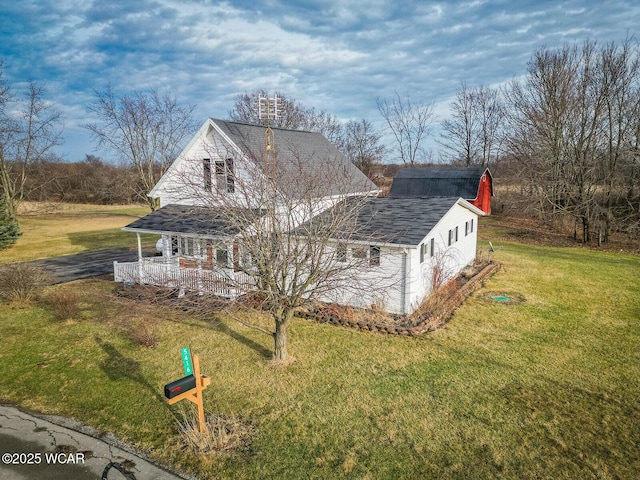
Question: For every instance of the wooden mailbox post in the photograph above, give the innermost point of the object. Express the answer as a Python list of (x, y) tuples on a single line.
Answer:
[(194, 394)]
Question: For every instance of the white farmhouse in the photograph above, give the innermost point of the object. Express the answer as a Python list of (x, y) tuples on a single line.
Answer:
[(401, 242)]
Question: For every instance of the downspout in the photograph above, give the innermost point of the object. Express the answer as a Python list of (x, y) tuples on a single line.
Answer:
[(139, 258), (403, 283)]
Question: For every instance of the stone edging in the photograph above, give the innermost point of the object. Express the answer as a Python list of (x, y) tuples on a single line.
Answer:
[(428, 324)]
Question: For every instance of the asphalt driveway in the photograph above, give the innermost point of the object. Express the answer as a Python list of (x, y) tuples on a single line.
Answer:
[(85, 265)]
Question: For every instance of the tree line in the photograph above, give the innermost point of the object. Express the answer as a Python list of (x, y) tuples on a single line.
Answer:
[(574, 136), (567, 133)]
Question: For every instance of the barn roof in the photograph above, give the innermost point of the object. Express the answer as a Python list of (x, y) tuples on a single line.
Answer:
[(396, 221), (438, 182), (300, 153)]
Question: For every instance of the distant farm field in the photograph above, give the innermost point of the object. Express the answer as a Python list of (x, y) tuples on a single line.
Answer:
[(544, 388)]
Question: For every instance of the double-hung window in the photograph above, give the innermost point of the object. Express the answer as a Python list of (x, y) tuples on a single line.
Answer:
[(374, 256), (453, 236), (427, 249), (225, 180), (468, 227), (371, 254), (206, 167)]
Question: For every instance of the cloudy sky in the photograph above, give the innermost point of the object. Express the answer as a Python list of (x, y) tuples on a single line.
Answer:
[(334, 55)]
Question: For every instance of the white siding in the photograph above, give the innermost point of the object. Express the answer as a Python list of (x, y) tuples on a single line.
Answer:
[(384, 285), (452, 258), (184, 182), (364, 286)]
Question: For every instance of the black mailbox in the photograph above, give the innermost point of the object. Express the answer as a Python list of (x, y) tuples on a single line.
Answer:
[(178, 387)]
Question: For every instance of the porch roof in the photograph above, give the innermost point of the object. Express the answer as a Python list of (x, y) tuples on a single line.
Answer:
[(186, 219)]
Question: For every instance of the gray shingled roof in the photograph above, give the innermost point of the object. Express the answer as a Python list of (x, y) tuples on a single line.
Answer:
[(399, 221), (437, 182), (185, 219), (300, 153)]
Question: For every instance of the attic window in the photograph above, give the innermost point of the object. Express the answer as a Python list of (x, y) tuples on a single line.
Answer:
[(225, 180), (206, 166), (230, 176), (341, 252)]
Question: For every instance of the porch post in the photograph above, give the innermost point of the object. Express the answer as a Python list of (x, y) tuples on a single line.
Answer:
[(139, 258), (199, 264)]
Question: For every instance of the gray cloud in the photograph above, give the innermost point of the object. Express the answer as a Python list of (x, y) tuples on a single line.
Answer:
[(337, 55)]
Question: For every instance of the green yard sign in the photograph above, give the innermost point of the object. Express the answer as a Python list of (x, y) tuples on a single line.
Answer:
[(186, 361)]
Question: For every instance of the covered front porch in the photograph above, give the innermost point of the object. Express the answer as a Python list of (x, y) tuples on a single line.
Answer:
[(198, 253), (163, 272)]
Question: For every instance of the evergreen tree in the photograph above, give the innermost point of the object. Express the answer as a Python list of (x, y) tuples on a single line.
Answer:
[(9, 228)]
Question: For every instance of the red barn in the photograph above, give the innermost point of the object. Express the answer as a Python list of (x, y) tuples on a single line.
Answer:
[(473, 184)]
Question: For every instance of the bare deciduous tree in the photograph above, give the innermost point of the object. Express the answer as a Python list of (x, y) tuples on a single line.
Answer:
[(572, 124), (472, 134), (145, 130), (459, 137), (362, 145), (410, 123), (293, 116), (293, 229), (28, 135)]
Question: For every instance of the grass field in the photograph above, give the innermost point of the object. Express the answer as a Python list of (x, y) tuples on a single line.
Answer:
[(547, 388), (54, 229)]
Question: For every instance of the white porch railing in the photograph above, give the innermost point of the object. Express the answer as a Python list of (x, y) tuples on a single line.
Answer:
[(160, 272)]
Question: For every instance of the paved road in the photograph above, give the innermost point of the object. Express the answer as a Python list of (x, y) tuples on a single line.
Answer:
[(85, 265), (46, 447)]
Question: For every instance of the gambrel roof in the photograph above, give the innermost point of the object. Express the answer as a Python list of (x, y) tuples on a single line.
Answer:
[(438, 182)]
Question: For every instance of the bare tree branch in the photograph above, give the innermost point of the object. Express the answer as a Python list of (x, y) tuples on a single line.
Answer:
[(145, 130), (410, 123)]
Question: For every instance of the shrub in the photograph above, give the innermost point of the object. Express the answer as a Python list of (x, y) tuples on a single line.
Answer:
[(144, 332), (222, 433), (63, 303), (21, 282)]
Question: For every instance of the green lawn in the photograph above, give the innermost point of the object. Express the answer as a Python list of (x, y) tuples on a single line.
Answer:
[(50, 229), (545, 389)]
